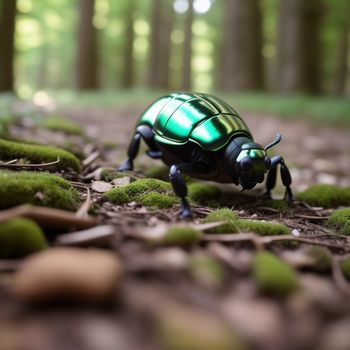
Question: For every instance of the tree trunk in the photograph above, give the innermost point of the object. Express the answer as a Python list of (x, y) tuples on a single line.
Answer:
[(241, 53), (186, 83), (161, 26), (342, 53), (7, 31), (87, 48), (298, 46), (128, 66)]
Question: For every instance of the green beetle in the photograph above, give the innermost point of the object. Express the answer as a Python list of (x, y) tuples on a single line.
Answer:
[(203, 137)]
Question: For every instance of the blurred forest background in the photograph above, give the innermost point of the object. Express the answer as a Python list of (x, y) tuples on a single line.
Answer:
[(288, 47)]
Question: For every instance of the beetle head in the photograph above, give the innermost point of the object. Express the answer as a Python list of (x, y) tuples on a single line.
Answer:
[(251, 165)]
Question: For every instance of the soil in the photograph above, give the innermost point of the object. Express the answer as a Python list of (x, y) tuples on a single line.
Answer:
[(158, 286)]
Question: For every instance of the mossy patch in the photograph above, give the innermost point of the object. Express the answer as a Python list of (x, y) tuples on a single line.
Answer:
[(345, 267), (59, 123), (326, 196), (150, 192), (38, 154), (234, 225), (203, 193), (272, 275), (222, 215), (116, 196), (156, 200), (20, 237), (158, 172), (110, 174), (340, 221), (38, 189), (278, 204), (262, 228), (180, 236)]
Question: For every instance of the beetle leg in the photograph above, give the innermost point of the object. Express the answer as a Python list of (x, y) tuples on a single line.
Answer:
[(147, 134), (180, 189), (287, 181), (132, 153), (285, 176)]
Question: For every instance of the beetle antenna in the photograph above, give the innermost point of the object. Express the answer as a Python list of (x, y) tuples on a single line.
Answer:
[(276, 140)]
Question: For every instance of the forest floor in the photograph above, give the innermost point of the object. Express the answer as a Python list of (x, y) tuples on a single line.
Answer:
[(165, 301)]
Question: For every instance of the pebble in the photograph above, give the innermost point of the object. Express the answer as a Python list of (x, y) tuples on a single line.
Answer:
[(101, 186), (68, 274)]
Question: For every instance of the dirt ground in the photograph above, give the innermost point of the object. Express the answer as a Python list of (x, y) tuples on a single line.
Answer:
[(159, 295)]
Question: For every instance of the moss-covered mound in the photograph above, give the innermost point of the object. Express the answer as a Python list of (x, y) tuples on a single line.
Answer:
[(202, 193), (272, 275), (180, 236), (158, 172), (234, 225), (262, 228), (38, 189), (38, 154), (222, 215), (59, 123), (322, 259), (150, 192), (20, 237), (326, 196), (340, 221)]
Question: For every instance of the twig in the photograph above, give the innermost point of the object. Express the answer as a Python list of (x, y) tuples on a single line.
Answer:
[(258, 241), (95, 235), (311, 217), (85, 207), (49, 217), (90, 159), (12, 166)]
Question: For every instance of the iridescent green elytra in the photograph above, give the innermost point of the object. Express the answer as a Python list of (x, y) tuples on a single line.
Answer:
[(203, 119), (202, 136)]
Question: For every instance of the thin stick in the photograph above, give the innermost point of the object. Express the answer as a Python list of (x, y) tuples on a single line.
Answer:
[(12, 166)]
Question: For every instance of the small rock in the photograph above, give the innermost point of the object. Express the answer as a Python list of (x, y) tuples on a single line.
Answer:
[(121, 181), (101, 186), (68, 274)]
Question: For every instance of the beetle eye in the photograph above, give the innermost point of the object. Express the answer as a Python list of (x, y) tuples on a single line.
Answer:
[(245, 163), (267, 162)]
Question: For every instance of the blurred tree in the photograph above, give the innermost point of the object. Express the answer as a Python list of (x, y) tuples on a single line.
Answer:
[(186, 82), (342, 53), (128, 64), (7, 31), (162, 17), (298, 46), (87, 48), (241, 52)]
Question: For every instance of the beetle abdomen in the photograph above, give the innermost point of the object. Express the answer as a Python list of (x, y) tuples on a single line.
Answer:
[(203, 119)]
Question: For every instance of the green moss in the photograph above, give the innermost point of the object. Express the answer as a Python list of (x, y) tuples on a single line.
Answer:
[(59, 123), (116, 196), (262, 228), (111, 174), (222, 215), (36, 188), (272, 275), (345, 267), (38, 154), (202, 193), (156, 200), (322, 259), (20, 237), (158, 172), (142, 186), (207, 270), (326, 196), (340, 221), (181, 236)]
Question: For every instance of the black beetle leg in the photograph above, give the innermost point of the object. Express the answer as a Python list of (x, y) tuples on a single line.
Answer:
[(148, 136), (287, 181), (180, 189), (285, 175), (132, 153)]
